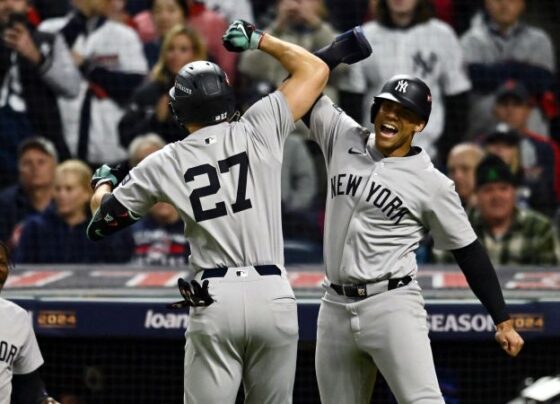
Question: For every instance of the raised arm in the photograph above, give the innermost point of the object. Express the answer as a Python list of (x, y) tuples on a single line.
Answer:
[(308, 73)]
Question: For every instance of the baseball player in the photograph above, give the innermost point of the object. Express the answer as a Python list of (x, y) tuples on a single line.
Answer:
[(384, 195), (20, 356), (224, 180)]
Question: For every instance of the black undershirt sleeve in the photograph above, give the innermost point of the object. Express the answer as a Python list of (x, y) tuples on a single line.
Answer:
[(28, 389), (481, 276)]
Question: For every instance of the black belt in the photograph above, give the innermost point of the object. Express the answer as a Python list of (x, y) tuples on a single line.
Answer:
[(221, 272), (361, 290)]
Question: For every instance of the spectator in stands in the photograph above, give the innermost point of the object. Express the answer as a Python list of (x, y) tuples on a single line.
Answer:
[(20, 381), (148, 110), (299, 190), (35, 68), (461, 165), (154, 23), (211, 26), (301, 22), (501, 47), (37, 159), (58, 235), (159, 237), (512, 236), (110, 57), (232, 9), (407, 39), (540, 155), (535, 179)]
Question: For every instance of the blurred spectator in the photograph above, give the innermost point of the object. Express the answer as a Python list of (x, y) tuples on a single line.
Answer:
[(299, 189), (407, 39), (232, 9), (540, 155), (110, 57), (512, 236), (142, 147), (37, 159), (148, 110), (535, 179), (159, 237), (59, 234), (35, 68), (501, 47), (117, 12), (155, 23), (298, 21), (211, 26), (164, 14), (20, 381), (461, 165)]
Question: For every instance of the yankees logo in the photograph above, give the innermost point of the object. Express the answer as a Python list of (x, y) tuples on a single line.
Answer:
[(401, 86)]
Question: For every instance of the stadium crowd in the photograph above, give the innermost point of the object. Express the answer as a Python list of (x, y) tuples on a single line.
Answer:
[(85, 82)]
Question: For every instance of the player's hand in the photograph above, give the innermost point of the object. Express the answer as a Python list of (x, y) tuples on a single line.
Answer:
[(194, 295), (108, 175), (508, 338), (241, 36)]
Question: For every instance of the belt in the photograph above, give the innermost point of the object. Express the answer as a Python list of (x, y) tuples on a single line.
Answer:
[(369, 289), (221, 272)]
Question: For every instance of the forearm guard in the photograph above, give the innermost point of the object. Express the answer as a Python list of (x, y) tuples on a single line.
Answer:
[(111, 217)]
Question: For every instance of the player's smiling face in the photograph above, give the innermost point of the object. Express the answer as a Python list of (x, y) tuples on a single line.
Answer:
[(395, 127)]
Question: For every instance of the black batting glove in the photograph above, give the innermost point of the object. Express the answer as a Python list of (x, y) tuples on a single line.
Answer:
[(194, 295)]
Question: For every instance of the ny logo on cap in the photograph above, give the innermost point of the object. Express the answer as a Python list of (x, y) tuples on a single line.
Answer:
[(401, 86)]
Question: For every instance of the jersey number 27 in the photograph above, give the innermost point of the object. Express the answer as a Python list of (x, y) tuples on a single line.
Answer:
[(241, 202)]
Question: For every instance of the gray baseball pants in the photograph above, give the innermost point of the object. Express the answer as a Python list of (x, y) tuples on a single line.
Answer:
[(387, 331), (249, 334)]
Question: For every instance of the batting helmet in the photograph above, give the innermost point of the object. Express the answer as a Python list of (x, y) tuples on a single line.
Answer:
[(201, 94), (409, 91)]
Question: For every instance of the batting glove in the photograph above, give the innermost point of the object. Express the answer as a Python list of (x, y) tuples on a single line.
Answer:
[(108, 175), (241, 36), (193, 296)]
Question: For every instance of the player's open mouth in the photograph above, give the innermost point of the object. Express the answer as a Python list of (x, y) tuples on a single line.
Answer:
[(388, 129)]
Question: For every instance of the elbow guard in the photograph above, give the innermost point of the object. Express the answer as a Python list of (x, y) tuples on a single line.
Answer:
[(111, 217)]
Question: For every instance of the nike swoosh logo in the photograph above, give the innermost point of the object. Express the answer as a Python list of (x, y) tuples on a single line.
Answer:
[(353, 150)]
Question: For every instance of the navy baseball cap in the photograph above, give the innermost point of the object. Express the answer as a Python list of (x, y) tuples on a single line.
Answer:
[(512, 89), (503, 134)]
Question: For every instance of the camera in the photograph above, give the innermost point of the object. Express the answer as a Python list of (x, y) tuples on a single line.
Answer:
[(13, 19)]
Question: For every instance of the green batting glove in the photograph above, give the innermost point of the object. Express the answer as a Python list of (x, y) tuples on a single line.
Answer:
[(108, 175), (241, 36)]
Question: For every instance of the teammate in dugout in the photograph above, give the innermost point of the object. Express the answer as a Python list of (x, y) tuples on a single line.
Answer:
[(224, 180), (384, 196), (20, 356)]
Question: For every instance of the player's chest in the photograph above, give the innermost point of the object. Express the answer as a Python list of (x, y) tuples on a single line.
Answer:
[(359, 185)]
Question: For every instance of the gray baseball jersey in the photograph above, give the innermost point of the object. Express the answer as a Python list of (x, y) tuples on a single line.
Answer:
[(224, 181), (430, 51), (19, 351), (378, 208), (229, 173)]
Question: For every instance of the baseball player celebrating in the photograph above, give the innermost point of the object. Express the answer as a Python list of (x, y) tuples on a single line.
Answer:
[(20, 356), (384, 196), (224, 180)]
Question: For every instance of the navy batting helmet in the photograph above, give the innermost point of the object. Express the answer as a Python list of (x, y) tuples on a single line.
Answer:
[(201, 94), (409, 91)]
